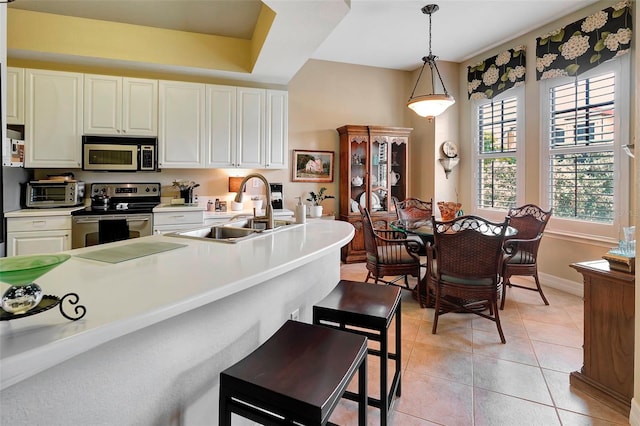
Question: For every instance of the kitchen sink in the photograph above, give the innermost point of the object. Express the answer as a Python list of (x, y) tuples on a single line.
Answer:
[(234, 232)]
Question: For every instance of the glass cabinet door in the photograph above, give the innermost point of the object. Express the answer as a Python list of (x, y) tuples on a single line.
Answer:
[(379, 198), (359, 161), (398, 169)]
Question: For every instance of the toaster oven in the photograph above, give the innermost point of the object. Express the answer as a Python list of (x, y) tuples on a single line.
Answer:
[(53, 193)]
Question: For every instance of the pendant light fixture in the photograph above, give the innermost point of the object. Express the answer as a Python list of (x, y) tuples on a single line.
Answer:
[(433, 104)]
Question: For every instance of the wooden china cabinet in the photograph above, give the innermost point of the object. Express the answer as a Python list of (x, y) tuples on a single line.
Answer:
[(373, 169)]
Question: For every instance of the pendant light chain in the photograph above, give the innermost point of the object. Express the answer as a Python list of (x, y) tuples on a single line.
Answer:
[(430, 105)]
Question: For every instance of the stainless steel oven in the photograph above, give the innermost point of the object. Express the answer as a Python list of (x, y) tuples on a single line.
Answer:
[(99, 229), (119, 211)]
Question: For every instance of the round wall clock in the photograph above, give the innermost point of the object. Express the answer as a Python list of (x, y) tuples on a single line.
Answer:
[(449, 149)]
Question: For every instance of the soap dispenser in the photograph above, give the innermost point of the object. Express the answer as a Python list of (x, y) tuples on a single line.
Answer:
[(301, 211)]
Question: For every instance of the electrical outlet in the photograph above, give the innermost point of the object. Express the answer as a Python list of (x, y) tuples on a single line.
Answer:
[(295, 315)]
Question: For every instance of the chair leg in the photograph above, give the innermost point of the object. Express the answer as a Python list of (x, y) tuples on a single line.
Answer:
[(546, 302), (505, 283), (427, 296), (368, 277), (436, 312), (494, 304)]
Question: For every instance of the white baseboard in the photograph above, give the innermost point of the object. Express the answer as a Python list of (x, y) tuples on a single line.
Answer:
[(634, 415), (562, 284)]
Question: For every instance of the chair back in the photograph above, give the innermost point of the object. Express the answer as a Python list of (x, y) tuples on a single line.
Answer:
[(413, 209), (530, 220), (370, 245), (469, 247)]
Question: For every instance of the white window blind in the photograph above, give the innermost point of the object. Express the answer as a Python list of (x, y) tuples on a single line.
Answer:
[(581, 148), (497, 143)]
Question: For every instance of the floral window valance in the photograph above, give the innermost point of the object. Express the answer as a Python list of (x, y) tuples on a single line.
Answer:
[(493, 76), (585, 44)]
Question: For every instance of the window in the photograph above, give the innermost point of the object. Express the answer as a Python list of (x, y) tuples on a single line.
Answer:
[(584, 168), (499, 139)]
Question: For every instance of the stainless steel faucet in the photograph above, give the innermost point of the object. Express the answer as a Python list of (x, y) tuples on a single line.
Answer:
[(268, 210)]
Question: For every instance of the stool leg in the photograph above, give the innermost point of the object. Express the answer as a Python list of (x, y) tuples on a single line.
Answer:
[(224, 414), (362, 391), (398, 316), (384, 392)]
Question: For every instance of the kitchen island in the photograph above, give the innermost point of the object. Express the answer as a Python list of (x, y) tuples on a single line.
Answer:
[(160, 328)]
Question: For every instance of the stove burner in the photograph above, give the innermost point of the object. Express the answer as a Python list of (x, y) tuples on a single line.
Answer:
[(122, 198)]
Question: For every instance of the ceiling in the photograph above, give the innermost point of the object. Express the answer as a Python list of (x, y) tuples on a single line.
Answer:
[(389, 34)]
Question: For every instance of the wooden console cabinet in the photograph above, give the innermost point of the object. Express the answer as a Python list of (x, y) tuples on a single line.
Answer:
[(607, 373), (373, 170)]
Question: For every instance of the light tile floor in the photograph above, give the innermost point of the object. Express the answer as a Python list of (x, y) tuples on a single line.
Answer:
[(463, 375)]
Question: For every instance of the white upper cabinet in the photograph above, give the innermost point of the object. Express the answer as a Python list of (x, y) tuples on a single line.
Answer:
[(15, 95), (277, 129), (53, 121), (221, 126), (181, 125), (246, 127), (120, 106), (250, 127)]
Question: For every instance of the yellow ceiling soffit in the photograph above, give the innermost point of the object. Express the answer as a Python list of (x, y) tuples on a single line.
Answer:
[(261, 31), (64, 35)]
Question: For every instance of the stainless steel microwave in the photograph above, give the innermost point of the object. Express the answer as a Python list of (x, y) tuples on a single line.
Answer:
[(119, 154), (53, 193)]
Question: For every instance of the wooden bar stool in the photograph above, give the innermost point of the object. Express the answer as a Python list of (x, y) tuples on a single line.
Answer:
[(367, 309), (298, 375)]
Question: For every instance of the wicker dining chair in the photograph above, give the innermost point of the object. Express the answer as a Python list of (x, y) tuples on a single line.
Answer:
[(522, 250), (388, 255), (413, 210), (465, 262)]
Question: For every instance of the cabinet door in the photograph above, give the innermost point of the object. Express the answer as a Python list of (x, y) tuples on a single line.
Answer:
[(221, 126), (277, 129), (15, 95), (181, 125), (36, 242), (102, 104), (53, 121), (399, 171), (379, 174), (250, 127), (139, 107)]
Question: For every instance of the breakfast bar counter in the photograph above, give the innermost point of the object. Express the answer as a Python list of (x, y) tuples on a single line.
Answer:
[(158, 329)]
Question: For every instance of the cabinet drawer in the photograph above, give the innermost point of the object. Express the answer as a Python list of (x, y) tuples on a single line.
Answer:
[(39, 223), (178, 218)]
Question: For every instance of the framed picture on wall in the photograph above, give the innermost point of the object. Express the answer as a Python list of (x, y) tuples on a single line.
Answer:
[(312, 166)]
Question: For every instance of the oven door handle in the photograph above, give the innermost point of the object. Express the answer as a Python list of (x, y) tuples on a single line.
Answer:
[(86, 220), (145, 219)]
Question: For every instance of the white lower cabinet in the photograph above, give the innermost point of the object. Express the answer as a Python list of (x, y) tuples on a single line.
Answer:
[(178, 220), (38, 235)]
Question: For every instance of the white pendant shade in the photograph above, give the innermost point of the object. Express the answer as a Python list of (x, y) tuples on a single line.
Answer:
[(430, 105)]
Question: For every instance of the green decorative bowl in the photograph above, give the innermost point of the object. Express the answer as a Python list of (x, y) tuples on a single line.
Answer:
[(23, 270), (20, 272)]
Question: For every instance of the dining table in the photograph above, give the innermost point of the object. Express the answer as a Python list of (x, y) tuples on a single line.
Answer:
[(424, 230)]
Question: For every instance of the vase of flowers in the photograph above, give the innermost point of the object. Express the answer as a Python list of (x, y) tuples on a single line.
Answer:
[(316, 199)]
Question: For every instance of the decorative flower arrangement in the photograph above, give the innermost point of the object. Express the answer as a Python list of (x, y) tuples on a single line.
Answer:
[(318, 198)]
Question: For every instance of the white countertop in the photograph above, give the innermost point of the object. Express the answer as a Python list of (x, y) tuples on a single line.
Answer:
[(163, 208), (128, 296), (58, 211)]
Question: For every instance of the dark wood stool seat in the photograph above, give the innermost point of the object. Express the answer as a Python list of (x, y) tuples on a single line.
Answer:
[(368, 310), (298, 375)]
